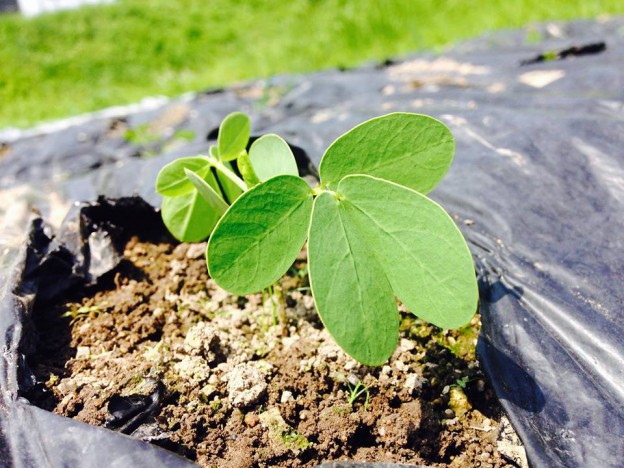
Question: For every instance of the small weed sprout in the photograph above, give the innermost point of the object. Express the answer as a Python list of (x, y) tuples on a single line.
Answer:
[(82, 312), (463, 382), (356, 391)]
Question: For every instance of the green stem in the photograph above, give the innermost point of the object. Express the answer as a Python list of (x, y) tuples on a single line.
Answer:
[(219, 166)]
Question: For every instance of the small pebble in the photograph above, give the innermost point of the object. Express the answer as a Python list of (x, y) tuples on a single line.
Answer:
[(400, 365), (353, 379), (350, 365), (207, 391), (286, 396), (414, 382), (449, 413), (407, 345), (83, 352), (251, 419), (196, 250)]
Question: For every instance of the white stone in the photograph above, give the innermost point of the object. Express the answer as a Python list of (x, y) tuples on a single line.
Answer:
[(286, 397), (83, 352), (202, 340), (246, 384), (414, 382)]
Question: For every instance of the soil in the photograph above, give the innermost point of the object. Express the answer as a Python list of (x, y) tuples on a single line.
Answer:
[(257, 381)]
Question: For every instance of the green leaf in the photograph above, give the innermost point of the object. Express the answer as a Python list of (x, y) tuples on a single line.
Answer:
[(231, 190), (172, 180), (188, 216), (351, 292), (247, 170), (422, 252), (233, 136), (412, 150), (270, 156), (260, 236), (209, 194), (214, 152)]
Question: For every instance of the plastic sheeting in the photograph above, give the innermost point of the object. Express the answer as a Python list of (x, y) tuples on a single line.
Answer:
[(537, 187)]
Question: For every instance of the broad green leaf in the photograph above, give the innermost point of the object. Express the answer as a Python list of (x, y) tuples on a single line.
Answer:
[(233, 136), (247, 171), (351, 292), (260, 235), (188, 216), (412, 150), (421, 250), (270, 156), (172, 180), (209, 194), (230, 189)]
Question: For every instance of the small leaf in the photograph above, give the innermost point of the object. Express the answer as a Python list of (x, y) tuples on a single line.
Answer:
[(214, 152), (351, 292), (189, 217), (172, 180), (270, 156), (247, 170), (230, 189), (233, 136), (412, 150), (422, 252), (260, 236), (211, 196)]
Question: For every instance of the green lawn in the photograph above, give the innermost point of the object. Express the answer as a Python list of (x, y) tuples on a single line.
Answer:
[(72, 62)]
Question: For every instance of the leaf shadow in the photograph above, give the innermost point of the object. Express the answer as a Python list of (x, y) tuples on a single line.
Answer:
[(510, 381)]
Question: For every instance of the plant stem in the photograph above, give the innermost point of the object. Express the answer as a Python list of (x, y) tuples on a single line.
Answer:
[(219, 166)]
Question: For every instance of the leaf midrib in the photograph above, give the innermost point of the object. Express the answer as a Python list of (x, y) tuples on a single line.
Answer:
[(405, 249)]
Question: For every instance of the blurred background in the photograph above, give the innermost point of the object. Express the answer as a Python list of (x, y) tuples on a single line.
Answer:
[(60, 64)]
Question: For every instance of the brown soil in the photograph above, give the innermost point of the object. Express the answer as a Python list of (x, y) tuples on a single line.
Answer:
[(248, 383)]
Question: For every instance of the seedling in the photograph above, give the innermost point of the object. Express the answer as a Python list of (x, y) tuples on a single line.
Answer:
[(372, 234), (461, 383), (273, 300), (464, 381), (357, 390), (77, 313)]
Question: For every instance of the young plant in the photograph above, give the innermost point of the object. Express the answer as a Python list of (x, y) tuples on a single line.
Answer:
[(357, 390), (372, 234), (197, 190)]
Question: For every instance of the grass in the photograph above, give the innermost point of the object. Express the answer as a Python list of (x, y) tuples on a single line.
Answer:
[(72, 62)]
